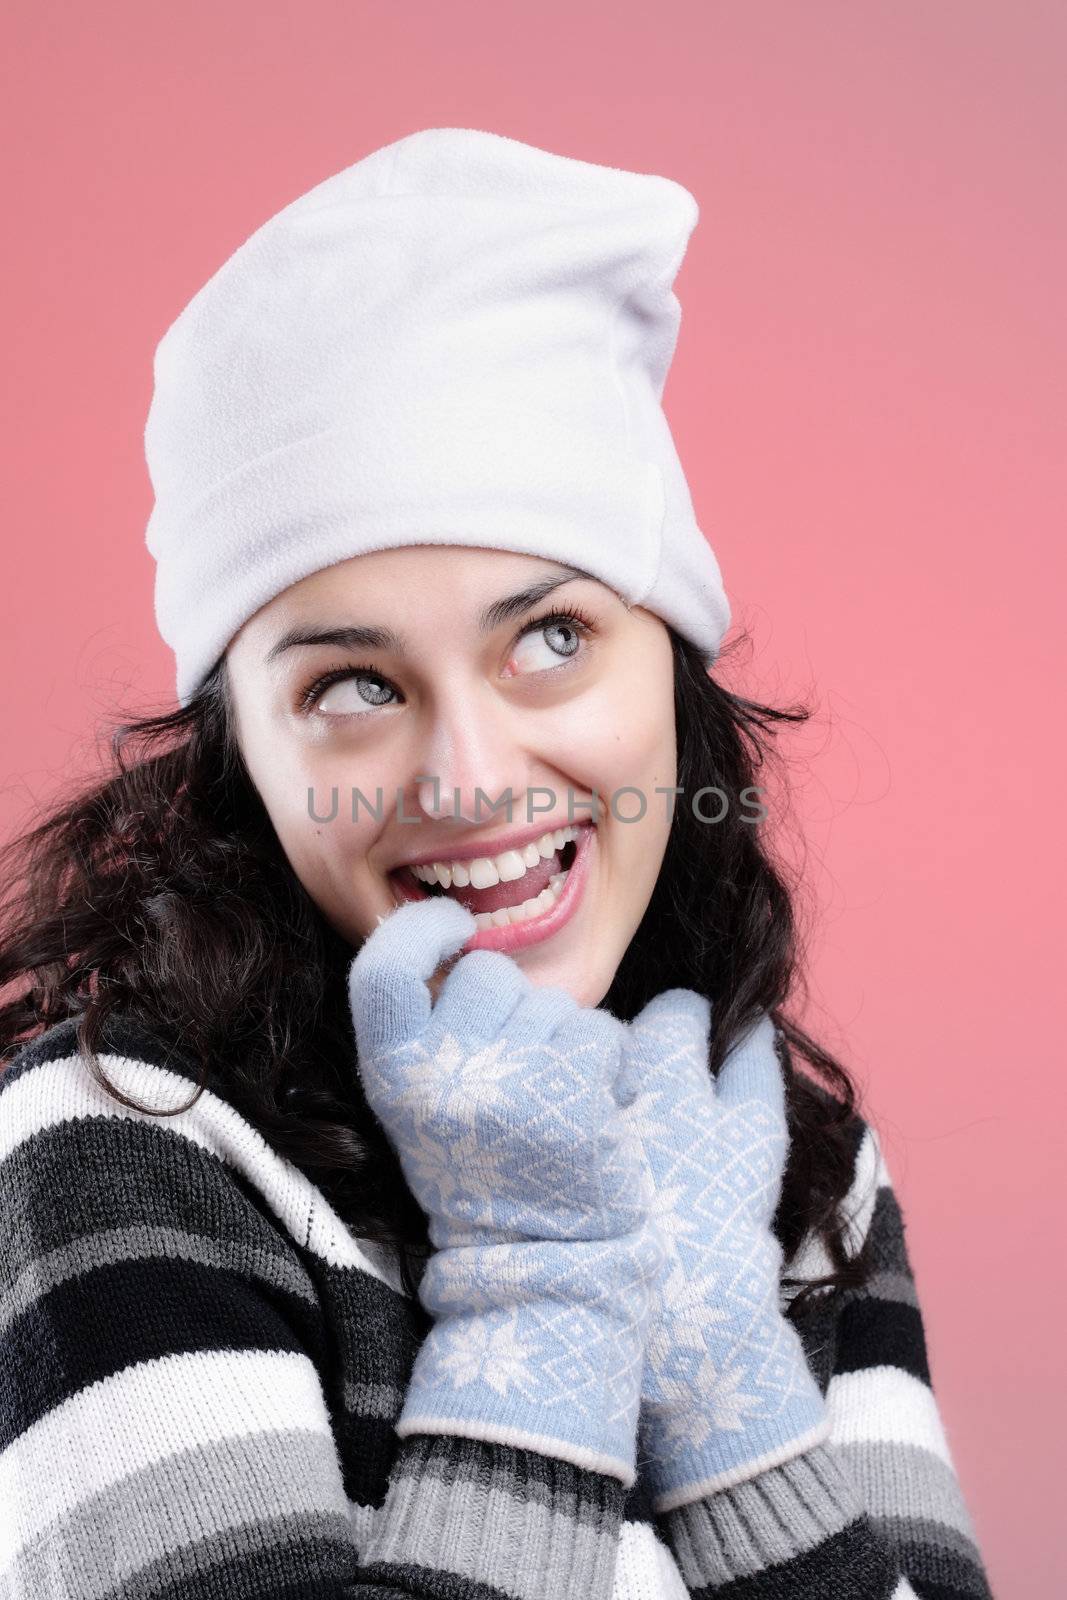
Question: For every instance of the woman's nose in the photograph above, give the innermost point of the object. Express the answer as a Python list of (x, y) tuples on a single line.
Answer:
[(470, 764), (475, 800)]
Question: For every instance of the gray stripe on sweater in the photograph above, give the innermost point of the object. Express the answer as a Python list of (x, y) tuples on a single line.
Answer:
[(886, 1285), (181, 1514), (146, 1243), (905, 1483), (374, 1399)]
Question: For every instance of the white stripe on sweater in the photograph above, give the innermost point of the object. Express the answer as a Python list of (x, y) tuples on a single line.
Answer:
[(143, 1414), (644, 1568), (885, 1405)]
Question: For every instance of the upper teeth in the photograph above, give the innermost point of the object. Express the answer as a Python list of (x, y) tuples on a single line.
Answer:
[(484, 871)]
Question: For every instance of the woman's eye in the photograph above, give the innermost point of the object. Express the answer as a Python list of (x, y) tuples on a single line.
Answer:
[(548, 642), (346, 692)]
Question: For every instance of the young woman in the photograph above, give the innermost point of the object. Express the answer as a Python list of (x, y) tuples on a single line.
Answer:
[(410, 1184)]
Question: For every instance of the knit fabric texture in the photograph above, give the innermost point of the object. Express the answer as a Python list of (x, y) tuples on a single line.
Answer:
[(460, 339), (728, 1390), (502, 1102), (203, 1367)]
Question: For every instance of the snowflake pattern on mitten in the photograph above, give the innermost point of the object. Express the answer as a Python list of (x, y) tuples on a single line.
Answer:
[(503, 1103), (491, 1143), (727, 1390)]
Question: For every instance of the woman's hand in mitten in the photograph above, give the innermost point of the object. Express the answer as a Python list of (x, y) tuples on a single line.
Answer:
[(728, 1392), (502, 1102)]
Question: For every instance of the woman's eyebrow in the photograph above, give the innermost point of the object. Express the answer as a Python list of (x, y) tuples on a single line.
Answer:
[(356, 637)]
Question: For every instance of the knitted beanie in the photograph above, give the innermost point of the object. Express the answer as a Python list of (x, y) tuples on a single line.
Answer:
[(460, 339)]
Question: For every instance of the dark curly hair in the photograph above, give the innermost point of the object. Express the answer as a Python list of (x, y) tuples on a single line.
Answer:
[(161, 894)]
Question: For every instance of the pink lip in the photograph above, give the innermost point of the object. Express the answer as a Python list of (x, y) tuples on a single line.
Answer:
[(519, 934)]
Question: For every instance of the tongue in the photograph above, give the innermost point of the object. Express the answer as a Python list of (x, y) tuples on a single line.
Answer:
[(528, 887)]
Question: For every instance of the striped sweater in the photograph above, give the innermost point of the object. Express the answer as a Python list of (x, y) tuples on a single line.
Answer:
[(202, 1365)]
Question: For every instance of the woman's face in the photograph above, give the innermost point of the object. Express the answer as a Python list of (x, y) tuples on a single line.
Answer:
[(444, 662)]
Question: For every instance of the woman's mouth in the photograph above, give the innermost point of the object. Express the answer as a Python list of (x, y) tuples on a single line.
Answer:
[(517, 897)]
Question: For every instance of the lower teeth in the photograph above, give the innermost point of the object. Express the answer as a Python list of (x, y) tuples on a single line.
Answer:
[(525, 911), (507, 915)]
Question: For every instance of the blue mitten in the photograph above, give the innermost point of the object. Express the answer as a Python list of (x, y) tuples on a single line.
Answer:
[(727, 1391), (502, 1102)]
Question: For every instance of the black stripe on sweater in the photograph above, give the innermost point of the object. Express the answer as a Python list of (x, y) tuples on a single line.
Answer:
[(876, 1330), (79, 1177), (90, 1327), (196, 1270)]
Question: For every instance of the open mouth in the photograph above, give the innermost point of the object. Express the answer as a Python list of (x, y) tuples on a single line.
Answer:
[(516, 886)]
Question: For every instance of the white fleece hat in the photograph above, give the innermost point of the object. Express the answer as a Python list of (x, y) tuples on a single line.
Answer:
[(460, 339)]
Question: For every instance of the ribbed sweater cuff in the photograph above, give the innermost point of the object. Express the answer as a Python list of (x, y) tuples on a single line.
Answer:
[(525, 1523), (783, 1516)]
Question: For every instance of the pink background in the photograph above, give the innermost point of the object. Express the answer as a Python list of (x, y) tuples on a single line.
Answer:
[(868, 397)]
